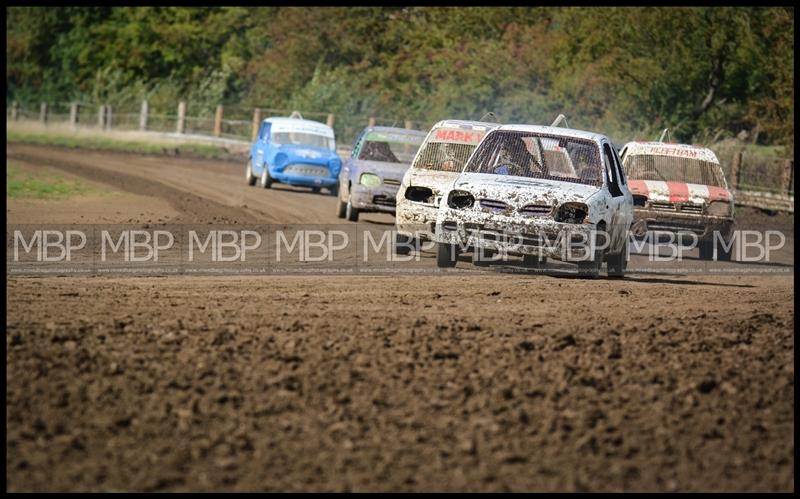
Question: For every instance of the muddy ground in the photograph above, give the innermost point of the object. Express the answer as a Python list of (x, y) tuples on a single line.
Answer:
[(477, 381)]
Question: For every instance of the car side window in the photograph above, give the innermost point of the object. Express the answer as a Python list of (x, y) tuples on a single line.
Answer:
[(357, 146), (264, 135), (613, 182), (620, 173)]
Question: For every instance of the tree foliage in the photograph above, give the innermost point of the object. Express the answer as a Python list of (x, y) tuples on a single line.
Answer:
[(704, 72)]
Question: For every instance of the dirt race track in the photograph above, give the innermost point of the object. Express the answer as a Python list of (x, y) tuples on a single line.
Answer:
[(477, 381)]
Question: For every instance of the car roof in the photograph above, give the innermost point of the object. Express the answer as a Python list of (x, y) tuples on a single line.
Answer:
[(671, 149), (391, 129), (297, 121), (555, 130), (460, 123)]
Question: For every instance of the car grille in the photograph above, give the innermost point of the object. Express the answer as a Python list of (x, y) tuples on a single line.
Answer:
[(692, 208), (478, 231), (307, 170), (536, 210), (384, 200), (696, 209), (663, 206), (391, 181), (676, 227), (494, 205)]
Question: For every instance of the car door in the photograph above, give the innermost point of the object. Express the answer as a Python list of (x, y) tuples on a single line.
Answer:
[(616, 197), (262, 142), (627, 205), (349, 165)]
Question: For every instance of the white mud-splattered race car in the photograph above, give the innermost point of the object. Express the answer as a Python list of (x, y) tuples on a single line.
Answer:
[(539, 192), (681, 190), (440, 159)]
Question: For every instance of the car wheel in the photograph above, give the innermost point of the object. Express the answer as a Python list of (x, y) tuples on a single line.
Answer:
[(334, 191), (403, 244), (706, 250), (724, 255), (350, 211), (315, 190), (533, 261), (617, 263), (266, 180), (591, 269), (446, 255), (251, 179), (482, 258)]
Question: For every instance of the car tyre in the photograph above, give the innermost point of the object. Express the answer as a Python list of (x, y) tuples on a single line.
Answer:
[(617, 263), (350, 211), (591, 269), (482, 260), (722, 254), (533, 261), (266, 180), (403, 244), (316, 190), (446, 255), (341, 208), (251, 179)]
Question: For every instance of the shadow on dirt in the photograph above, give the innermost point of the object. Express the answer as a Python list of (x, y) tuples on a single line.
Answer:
[(300, 190)]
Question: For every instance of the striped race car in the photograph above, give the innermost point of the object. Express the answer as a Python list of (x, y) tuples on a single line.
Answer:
[(679, 189)]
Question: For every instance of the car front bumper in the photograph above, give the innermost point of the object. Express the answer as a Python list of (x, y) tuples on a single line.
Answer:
[(703, 226), (382, 198), (537, 236), (305, 175), (416, 219)]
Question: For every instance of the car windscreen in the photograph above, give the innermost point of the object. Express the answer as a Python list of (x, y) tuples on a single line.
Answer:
[(673, 169), (443, 156), (448, 149), (390, 147), (538, 155), (304, 139)]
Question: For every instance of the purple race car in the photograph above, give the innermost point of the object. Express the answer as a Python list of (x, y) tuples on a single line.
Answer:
[(370, 178)]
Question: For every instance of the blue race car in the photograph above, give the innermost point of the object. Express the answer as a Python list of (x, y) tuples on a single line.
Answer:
[(294, 151)]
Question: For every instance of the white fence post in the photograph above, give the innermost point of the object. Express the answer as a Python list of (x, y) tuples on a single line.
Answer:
[(371, 121), (143, 116), (43, 113), (331, 120), (14, 111), (181, 127), (101, 116), (108, 118), (218, 121), (256, 123), (73, 115)]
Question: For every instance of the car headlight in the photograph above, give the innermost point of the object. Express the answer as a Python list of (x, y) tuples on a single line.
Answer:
[(460, 199), (369, 180), (572, 213), (719, 208)]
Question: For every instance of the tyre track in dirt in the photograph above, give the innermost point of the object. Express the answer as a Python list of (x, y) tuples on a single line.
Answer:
[(371, 384), (481, 382), (202, 190)]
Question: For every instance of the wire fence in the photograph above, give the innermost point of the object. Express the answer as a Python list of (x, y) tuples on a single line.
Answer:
[(231, 122), (744, 169)]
